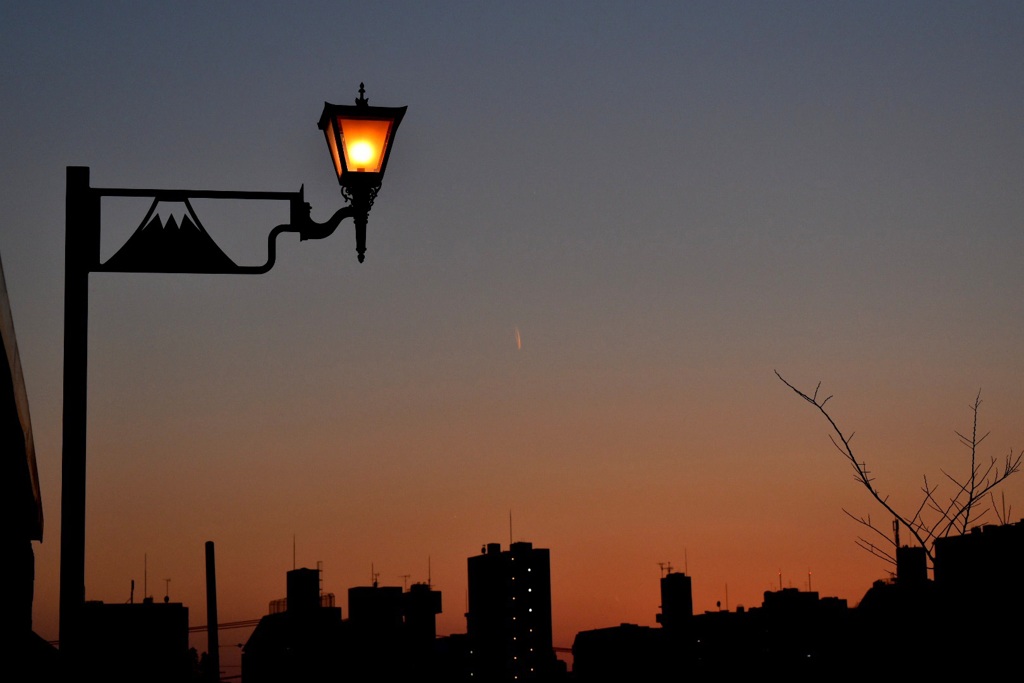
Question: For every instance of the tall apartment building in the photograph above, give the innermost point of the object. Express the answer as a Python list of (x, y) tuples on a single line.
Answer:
[(508, 624)]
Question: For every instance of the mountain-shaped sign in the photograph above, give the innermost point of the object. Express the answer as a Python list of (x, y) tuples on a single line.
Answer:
[(170, 247)]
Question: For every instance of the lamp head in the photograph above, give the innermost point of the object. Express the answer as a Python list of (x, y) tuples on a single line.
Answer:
[(360, 138)]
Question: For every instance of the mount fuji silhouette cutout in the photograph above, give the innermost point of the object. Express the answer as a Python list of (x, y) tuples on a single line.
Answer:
[(171, 247)]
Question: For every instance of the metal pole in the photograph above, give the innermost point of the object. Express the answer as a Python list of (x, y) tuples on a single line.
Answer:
[(212, 633), (81, 250)]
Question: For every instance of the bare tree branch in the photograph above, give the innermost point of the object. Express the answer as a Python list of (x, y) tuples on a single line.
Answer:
[(961, 511)]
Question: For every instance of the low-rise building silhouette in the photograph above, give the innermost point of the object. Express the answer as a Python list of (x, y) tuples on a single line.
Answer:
[(145, 641), (963, 620), (627, 652), (793, 632), (300, 640), (967, 616), (389, 633)]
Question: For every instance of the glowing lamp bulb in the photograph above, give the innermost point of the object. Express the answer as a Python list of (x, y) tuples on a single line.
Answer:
[(361, 153)]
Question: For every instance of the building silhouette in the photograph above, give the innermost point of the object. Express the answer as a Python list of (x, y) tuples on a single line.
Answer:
[(793, 633), (627, 652), (508, 625), (390, 634), (22, 507), (420, 606), (910, 626), (966, 617), (970, 565), (300, 640), (142, 641), (676, 601)]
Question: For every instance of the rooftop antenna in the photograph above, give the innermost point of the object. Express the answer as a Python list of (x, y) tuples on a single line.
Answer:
[(666, 568), (726, 597), (405, 582), (320, 575), (808, 579), (780, 579), (131, 596), (167, 590), (373, 575)]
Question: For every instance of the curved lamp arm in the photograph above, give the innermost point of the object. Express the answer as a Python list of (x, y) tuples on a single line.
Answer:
[(309, 229)]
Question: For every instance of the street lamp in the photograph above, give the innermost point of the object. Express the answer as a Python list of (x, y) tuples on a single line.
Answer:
[(359, 138)]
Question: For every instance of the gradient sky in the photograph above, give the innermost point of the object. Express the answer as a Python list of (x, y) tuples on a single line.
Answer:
[(668, 201)]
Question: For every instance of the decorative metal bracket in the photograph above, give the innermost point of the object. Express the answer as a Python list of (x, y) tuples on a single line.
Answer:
[(184, 246)]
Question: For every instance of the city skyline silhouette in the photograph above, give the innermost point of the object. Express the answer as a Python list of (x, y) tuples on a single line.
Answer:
[(601, 233), (910, 624)]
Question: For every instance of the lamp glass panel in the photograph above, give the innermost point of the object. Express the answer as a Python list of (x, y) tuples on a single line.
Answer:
[(364, 141), (332, 143)]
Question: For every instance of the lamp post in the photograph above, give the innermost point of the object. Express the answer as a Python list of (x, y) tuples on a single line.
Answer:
[(359, 139)]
